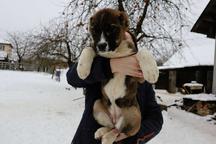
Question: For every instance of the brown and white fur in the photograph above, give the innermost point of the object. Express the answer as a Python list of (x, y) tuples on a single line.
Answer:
[(118, 108)]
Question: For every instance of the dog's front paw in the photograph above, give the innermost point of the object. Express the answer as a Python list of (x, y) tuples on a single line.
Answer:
[(101, 132), (148, 66), (83, 69), (85, 62)]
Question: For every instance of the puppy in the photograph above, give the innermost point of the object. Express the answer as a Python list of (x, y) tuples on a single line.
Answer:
[(118, 110)]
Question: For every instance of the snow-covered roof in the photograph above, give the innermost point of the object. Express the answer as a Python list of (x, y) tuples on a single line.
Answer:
[(199, 49), (200, 53), (3, 41), (6, 43)]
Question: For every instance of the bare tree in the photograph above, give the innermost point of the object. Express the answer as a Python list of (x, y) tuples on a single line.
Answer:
[(20, 43), (157, 24), (57, 41)]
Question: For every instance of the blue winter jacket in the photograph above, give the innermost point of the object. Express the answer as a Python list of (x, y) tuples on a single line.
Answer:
[(151, 114)]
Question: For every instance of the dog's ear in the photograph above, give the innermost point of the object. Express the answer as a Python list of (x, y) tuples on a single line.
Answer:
[(91, 23), (123, 18)]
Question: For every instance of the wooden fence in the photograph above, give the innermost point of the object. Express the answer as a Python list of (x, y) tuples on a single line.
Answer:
[(8, 66), (16, 66)]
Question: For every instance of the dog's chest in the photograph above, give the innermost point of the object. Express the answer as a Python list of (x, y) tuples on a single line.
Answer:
[(115, 88)]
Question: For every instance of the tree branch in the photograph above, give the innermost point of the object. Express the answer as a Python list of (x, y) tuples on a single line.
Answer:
[(141, 19), (120, 5)]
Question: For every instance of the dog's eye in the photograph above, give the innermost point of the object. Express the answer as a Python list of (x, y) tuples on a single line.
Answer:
[(94, 30), (108, 33), (112, 29)]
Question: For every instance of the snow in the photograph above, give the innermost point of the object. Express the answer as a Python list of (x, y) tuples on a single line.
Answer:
[(200, 54), (181, 127), (199, 50), (165, 98), (201, 97), (193, 85), (36, 109), (4, 41)]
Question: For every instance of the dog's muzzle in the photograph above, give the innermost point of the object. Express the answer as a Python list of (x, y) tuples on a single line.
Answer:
[(102, 47)]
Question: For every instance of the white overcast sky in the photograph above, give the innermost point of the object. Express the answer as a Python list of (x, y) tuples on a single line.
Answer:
[(23, 15)]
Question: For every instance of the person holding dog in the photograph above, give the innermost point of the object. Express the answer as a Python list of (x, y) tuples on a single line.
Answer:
[(102, 69)]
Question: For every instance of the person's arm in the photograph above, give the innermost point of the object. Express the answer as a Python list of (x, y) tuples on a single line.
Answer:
[(152, 119), (100, 70)]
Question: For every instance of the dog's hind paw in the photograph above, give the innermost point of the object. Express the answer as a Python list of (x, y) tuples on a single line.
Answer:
[(85, 62), (101, 132), (109, 137)]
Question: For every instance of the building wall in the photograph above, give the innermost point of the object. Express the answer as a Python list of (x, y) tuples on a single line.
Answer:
[(201, 74), (7, 48)]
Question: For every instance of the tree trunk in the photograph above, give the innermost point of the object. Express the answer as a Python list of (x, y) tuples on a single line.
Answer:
[(69, 62)]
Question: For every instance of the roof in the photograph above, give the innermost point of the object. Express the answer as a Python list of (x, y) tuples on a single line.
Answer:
[(199, 54), (6, 43), (206, 24)]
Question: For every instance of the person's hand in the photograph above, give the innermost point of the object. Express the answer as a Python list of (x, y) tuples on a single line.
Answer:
[(127, 66)]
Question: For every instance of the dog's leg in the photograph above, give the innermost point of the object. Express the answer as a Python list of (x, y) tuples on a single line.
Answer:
[(101, 114), (148, 65), (110, 137), (101, 132), (85, 62), (102, 117), (120, 123), (130, 122)]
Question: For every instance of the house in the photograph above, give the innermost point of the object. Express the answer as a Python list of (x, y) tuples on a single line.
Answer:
[(194, 63), (5, 51), (206, 24), (197, 62)]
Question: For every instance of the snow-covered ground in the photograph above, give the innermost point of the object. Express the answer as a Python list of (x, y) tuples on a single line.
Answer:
[(181, 127), (35, 109)]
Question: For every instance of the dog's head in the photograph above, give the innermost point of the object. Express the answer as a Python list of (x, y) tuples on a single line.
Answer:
[(107, 28)]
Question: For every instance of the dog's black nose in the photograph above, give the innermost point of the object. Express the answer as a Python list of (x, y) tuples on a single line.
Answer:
[(102, 46)]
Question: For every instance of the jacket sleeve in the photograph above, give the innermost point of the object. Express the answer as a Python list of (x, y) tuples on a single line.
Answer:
[(100, 71), (152, 119)]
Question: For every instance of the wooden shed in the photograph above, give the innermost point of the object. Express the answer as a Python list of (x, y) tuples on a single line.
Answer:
[(193, 63), (173, 78)]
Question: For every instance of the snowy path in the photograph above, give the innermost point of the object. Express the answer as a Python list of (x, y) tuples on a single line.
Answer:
[(34, 109)]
